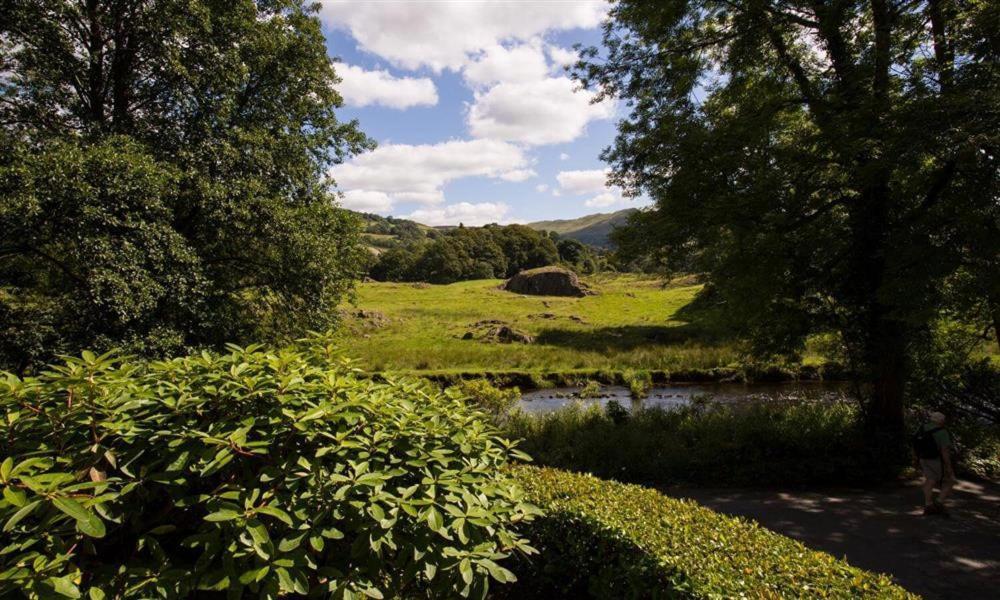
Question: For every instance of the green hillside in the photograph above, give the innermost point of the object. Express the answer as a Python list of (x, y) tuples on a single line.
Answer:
[(591, 229)]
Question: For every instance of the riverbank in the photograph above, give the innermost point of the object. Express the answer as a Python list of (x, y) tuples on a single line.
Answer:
[(528, 380)]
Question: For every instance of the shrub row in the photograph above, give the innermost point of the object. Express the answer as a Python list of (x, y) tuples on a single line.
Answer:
[(751, 443), (602, 539), (257, 472)]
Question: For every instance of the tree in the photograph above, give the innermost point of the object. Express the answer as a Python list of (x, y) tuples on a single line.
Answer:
[(524, 247), (828, 165), (163, 177)]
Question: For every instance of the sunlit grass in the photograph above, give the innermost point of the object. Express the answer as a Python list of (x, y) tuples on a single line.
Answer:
[(632, 322)]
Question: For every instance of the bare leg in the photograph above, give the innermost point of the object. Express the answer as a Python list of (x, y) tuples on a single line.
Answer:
[(928, 488), (946, 484)]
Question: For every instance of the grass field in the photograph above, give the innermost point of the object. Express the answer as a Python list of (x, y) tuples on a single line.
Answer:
[(632, 323)]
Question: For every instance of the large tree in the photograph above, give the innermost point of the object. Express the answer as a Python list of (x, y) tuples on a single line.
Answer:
[(163, 176), (831, 165)]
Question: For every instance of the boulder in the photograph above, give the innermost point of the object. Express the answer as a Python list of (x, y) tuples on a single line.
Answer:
[(494, 330), (547, 281)]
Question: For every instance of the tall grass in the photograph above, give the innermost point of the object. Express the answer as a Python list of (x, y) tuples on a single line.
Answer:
[(753, 443)]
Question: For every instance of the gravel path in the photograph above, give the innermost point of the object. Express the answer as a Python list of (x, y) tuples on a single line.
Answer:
[(882, 529)]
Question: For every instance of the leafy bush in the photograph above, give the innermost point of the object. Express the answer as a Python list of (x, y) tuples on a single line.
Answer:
[(495, 402), (751, 443), (255, 472), (602, 539), (978, 448), (592, 389), (639, 382)]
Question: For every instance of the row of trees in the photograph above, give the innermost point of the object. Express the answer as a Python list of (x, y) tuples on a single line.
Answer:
[(465, 253), (162, 175), (830, 166)]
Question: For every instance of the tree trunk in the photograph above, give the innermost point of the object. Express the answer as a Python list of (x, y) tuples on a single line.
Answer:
[(888, 355), (995, 309)]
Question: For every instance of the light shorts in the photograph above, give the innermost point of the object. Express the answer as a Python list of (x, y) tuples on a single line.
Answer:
[(932, 468)]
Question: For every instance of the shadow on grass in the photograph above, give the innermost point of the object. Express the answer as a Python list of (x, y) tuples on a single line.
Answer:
[(699, 321), (629, 337)]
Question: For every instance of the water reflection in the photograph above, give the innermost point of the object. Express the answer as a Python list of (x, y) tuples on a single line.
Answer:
[(548, 400)]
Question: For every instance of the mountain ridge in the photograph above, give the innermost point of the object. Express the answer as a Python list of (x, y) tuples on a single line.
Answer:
[(593, 229)]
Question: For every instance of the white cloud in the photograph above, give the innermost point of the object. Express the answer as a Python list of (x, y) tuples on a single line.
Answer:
[(442, 34), (547, 111), (361, 88), (418, 173), (590, 181), (563, 156), (583, 182), (562, 57), (541, 188), (463, 212), (518, 175), (603, 200), (367, 201), (525, 62)]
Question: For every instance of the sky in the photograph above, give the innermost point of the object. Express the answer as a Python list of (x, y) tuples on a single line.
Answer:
[(475, 117)]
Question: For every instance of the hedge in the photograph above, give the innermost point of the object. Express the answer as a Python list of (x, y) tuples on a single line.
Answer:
[(603, 539), (256, 473)]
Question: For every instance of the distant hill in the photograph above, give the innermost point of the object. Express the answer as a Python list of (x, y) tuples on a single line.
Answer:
[(591, 229)]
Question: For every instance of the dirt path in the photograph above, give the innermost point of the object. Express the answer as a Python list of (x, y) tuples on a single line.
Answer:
[(882, 530)]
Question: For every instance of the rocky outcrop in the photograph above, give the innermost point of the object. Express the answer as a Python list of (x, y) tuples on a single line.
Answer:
[(494, 330), (547, 281)]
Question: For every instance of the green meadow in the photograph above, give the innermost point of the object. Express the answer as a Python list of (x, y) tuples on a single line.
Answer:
[(632, 322)]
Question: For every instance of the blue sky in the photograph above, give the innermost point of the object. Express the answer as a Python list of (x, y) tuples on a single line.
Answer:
[(475, 118)]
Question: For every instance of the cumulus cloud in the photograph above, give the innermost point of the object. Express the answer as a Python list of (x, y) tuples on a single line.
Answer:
[(521, 63), (546, 111), (603, 200), (590, 181), (462, 212), (418, 173), (367, 201), (518, 175), (362, 88), (583, 182), (562, 57), (443, 35), (541, 188)]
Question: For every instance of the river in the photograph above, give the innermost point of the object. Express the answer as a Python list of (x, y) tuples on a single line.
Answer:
[(673, 396)]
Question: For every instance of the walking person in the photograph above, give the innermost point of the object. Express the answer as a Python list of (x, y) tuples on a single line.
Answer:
[(933, 446)]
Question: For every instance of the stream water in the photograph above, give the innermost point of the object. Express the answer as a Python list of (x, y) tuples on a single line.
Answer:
[(672, 396)]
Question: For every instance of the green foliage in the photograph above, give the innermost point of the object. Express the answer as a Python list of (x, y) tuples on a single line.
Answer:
[(753, 443), (977, 446), (260, 472), (591, 389), (827, 167), (163, 176), (602, 539), (638, 381), (496, 402), (465, 253)]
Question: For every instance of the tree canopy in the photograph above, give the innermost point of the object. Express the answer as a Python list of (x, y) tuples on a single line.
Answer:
[(163, 175), (830, 166), (465, 253)]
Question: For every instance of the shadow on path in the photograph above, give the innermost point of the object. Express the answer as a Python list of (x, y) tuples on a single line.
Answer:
[(883, 530)]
